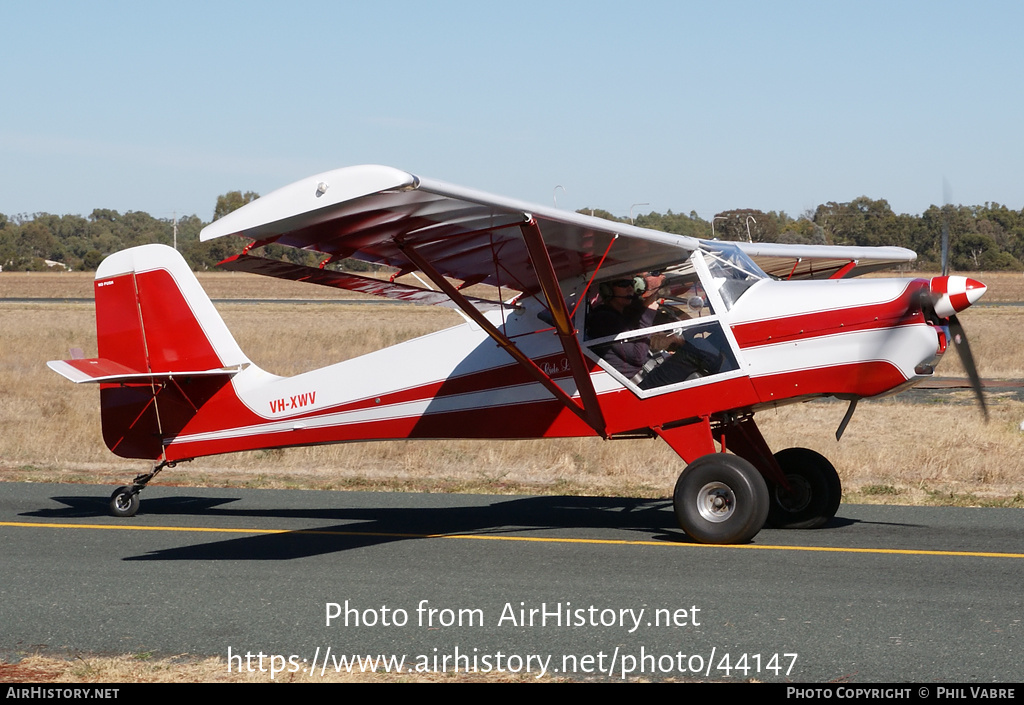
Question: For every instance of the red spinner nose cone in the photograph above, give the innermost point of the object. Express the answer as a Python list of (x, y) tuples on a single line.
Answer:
[(975, 289), (953, 294)]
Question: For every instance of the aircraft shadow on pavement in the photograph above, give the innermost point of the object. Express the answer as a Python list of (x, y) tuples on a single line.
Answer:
[(91, 507), (360, 527)]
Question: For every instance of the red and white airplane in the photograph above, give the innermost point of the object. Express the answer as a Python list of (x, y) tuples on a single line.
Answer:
[(706, 334)]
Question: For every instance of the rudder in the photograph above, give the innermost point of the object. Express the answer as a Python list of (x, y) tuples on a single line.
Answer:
[(164, 351), (152, 315)]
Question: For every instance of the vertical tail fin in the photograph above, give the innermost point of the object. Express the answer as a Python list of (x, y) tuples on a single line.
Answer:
[(164, 351), (152, 315)]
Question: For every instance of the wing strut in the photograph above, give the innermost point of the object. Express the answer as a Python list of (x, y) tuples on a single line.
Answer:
[(588, 412), (845, 270), (563, 323)]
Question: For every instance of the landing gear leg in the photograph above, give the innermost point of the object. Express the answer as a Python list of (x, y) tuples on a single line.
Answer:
[(124, 502)]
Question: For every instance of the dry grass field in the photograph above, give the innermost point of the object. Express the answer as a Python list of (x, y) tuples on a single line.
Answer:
[(1003, 286), (893, 451)]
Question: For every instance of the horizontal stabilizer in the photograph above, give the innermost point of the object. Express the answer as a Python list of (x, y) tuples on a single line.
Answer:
[(350, 282), (109, 372)]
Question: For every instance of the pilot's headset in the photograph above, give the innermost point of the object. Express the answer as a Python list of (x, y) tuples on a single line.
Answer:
[(638, 283)]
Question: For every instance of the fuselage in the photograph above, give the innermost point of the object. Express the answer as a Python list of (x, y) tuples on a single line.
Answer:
[(790, 341), (714, 339)]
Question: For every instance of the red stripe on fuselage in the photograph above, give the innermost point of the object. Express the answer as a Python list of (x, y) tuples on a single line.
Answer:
[(226, 411), (538, 419), (543, 419), (623, 410), (900, 311), (492, 379), (862, 379)]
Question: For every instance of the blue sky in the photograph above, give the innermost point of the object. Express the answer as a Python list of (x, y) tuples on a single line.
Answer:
[(704, 106)]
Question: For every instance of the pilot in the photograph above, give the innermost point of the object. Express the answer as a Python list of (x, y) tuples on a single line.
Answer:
[(652, 361), (626, 304)]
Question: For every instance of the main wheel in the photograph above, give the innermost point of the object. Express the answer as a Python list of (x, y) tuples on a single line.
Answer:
[(124, 502), (815, 491), (721, 498)]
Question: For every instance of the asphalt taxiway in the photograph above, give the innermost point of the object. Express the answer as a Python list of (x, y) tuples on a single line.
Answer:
[(883, 593)]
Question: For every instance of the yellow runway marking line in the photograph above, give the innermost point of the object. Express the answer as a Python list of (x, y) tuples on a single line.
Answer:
[(491, 537)]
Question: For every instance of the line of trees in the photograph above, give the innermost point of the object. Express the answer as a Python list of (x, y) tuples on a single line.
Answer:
[(42, 241), (988, 237)]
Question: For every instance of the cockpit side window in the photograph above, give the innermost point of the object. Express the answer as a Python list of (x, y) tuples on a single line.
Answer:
[(681, 297), (656, 342)]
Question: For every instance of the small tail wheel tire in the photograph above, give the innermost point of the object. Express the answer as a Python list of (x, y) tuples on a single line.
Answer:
[(124, 502), (721, 498), (814, 495)]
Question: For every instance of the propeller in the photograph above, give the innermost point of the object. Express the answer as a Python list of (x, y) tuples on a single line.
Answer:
[(963, 348), (948, 295)]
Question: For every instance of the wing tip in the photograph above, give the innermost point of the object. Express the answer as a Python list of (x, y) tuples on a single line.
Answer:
[(313, 193)]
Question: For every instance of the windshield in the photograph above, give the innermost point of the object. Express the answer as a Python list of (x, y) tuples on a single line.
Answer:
[(732, 271)]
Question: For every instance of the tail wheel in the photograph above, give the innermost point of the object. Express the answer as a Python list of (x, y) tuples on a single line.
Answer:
[(721, 498), (124, 502), (814, 495)]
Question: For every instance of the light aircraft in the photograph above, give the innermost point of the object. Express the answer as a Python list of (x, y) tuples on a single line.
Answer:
[(723, 330)]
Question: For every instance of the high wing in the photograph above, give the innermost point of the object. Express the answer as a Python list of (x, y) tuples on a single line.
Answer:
[(386, 216), (785, 261), (382, 215)]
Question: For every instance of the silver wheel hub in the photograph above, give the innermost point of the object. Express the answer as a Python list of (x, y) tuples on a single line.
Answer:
[(716, 502)]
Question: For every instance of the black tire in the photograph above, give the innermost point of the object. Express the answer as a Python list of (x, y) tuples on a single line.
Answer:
[(721, 498), (815, 495), (124, 502)]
